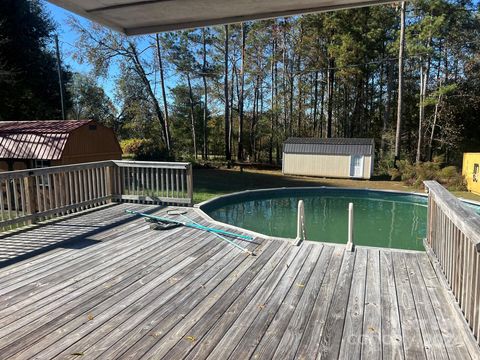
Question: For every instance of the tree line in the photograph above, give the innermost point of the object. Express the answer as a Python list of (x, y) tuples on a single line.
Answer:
[(236, 92)]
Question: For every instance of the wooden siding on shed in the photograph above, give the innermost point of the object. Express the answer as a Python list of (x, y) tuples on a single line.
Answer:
[(337, 166), (86, 145), (17, 165)]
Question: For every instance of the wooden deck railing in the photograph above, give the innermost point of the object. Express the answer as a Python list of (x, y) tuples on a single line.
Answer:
[(453, 235), (154, 182), (32, 195)]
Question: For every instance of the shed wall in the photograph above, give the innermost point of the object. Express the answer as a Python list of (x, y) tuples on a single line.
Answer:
[(322, 165), (86, 145), (17, 165), (473, 180)]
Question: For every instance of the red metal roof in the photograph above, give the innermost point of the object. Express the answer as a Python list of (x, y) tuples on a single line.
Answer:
[(42, 140)]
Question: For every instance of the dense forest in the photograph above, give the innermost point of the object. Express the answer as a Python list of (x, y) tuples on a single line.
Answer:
[(29, 86), (406, 74)]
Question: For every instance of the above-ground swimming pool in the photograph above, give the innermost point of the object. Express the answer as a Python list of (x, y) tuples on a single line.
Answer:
[(382, 218)]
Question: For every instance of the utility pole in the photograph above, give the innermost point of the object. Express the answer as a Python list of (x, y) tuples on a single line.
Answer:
[(400, 84), (60, 82)]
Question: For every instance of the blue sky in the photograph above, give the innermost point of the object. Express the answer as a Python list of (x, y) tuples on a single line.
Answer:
[(67, 39)]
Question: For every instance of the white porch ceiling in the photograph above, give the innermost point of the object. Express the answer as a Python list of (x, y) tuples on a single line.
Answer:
[(134, 17)]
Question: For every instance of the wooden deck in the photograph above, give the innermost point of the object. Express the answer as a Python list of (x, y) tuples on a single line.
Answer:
[(121, 290)]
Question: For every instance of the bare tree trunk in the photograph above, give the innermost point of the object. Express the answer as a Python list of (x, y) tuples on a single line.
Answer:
[(300, 105), (315, 103), (386, 112), (192, 115), (322, 106), (205, 96), (291, 83), (230, 129), (254, 119), (380, 103), (164, 93), (228, 154), (330, 89), (143, 76), (240, 99), (284, 81), (277, 137), (421, 114), (436, 114), (434, 125), (424, 72), (400, 83), (272, 102)]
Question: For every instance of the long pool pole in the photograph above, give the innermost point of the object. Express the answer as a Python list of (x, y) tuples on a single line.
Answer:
[(200, 227), (222, 237)]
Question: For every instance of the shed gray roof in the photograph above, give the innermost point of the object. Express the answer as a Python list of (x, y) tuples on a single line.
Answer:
[(332, 146)]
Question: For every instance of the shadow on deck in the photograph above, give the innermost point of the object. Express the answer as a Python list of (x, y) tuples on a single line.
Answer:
[(75, 231), (182, 293)]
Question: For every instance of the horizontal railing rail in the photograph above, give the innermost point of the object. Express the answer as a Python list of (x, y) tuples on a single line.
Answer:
[(28, 196), (453, 235)]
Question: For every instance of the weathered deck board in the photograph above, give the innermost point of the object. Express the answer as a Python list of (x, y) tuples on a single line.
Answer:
[(412, 336), (309, 342), (392, 346), (332, 335), (268, 343), (432, 338), (124, 291), (372, 325), (353, 328), (290, 339)]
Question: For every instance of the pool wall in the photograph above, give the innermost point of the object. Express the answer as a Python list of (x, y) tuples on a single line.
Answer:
[(204, 208)]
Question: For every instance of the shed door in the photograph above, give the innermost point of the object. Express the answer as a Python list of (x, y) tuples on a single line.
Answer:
[(356, 166)]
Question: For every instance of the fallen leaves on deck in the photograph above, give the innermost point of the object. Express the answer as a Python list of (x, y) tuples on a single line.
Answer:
[(191, 338)]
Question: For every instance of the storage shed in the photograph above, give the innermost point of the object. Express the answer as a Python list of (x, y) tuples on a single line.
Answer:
[(471, 171), (334, 157), (34, 144)]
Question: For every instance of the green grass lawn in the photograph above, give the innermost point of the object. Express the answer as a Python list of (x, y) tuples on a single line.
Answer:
[(208, 183)]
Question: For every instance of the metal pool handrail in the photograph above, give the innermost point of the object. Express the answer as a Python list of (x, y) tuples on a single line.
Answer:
[(301, 231)]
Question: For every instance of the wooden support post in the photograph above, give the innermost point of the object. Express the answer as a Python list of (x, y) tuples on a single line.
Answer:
[(301, 233), (350, 246)]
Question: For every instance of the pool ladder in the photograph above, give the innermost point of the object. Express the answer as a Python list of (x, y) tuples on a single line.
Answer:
[(301, 231)]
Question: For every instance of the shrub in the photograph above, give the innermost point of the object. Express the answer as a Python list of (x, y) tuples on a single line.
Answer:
[(415, 174), (131, 146), (144, 150), (452, 179)]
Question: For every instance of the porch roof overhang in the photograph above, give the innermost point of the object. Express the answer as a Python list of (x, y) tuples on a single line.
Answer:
[(135, 17)]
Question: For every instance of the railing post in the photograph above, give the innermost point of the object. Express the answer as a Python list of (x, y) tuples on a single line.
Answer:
[(111, 181), (350, 245), (189, 170), (301, 233), (30, 197)]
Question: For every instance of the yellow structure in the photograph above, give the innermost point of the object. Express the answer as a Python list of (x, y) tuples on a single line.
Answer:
[(471, 171)]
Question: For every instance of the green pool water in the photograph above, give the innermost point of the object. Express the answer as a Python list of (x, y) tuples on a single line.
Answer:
[(382, 219)]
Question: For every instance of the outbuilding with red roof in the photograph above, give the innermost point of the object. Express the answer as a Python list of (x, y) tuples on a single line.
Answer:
[(41, 143)]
